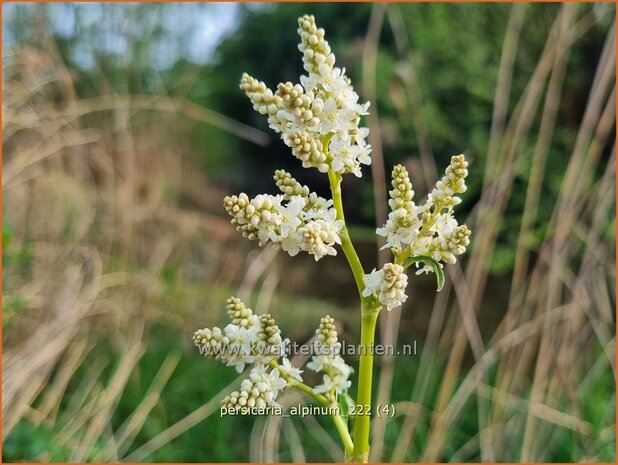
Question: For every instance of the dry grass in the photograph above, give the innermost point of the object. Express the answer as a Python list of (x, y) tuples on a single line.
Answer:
[(551, 315), (95, 192)]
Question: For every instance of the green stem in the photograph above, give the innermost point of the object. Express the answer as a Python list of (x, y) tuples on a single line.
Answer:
[(340, 424), (320, 399), (346, 242), (362, 422), (400, 258), (342, 428)]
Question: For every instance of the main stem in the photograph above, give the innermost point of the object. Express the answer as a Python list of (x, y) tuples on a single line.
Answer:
[(369, 314), (362, 421)]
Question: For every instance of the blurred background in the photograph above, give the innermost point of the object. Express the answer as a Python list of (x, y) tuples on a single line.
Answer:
[(124, 128)]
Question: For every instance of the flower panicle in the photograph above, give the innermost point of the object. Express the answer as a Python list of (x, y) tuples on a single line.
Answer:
[(430, 229), (316, 51), (327, 360), (297, 220), (269, 332), (249, 340), (453, 182), (326, 334), (318, 118), (263, 99), (309, 150), (238, 313)]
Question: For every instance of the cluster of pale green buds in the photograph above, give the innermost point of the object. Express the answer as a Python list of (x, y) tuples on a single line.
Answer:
[(318, 118), (296, 220), (328, 361)]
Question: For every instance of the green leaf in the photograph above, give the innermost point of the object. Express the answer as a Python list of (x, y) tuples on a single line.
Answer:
[(435, 266)]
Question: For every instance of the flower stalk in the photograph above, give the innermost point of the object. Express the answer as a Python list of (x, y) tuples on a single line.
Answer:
[(339, 422), (346, 243)]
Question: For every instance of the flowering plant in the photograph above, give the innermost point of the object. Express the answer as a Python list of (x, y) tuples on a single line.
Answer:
[(319, 119)]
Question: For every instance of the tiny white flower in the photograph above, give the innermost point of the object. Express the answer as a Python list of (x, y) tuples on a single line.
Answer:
[(291, 243), (372, 282), (362, 109), (317, 363), (239, 348), (333, 80), (291, 370), (361, 135), (275, 382), (324, 387), (339, 365), (259, 390), (341, 383), (401, 229), (338, 383), (336, 119), (290, 215), (310, 82)]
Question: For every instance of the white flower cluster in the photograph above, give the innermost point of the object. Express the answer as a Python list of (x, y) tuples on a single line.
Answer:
[(256, 340), (294, 220), (328, 361), (259, 390), (387, 285), (318, 118), (248, 340), (429, 229)]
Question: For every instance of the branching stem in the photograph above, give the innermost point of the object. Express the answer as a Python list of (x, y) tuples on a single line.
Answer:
[(369, 316), (346, 242)]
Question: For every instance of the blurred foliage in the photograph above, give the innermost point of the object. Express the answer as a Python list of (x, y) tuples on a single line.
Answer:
[(19, 255)]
